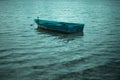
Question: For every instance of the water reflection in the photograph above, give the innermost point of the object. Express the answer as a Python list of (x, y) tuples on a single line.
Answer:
[(60, 35)]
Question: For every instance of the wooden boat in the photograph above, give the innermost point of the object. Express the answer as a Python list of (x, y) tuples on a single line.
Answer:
[(59, 26)]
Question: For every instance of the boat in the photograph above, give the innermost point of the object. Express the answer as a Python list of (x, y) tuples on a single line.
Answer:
[(59, 26)]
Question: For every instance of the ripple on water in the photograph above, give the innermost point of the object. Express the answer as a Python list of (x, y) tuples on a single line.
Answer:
[(30, 54)]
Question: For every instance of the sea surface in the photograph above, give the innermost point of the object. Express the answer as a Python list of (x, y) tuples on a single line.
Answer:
[(30, 54)]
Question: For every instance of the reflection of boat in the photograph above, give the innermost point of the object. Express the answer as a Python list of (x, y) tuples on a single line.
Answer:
[(59, 26)]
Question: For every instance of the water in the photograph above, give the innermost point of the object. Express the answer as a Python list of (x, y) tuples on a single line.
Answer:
[(28, 54)]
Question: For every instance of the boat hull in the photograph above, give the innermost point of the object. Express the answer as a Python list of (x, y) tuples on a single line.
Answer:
[(59, 26)]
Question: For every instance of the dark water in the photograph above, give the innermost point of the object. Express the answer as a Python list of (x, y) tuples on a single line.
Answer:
[(28, 54)]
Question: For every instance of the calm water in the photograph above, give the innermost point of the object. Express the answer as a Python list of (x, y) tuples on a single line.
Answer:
[(28, 54)]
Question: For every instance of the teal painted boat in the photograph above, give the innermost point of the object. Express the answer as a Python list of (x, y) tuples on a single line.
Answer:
[(59, 26)]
